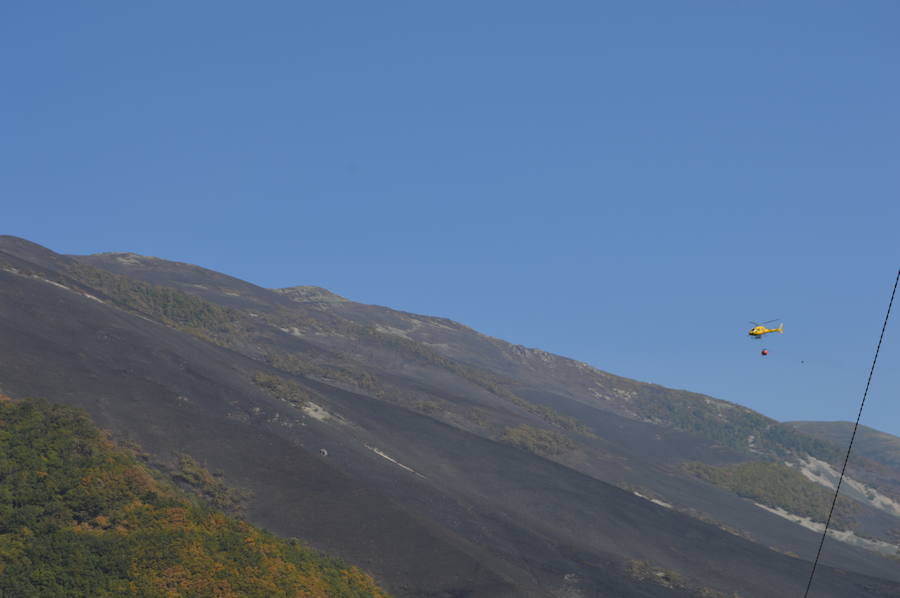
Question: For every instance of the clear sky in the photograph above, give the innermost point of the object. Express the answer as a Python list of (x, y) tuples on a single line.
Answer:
[(626, 183)]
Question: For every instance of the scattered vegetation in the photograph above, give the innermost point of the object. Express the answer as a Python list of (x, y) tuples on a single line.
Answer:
[(164, 304), (477, 416), (283, 389), (481, 378), (296, 364), (726, 424), (647, 572), (427, 407), (545, 443), (195, 478), (778, 486), (552, 416), (80, 517)]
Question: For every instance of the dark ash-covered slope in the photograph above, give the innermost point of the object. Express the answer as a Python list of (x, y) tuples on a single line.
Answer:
[(456, 465), (415, 361)]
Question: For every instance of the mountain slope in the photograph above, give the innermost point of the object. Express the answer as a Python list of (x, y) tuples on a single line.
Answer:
[(393, 351), (172, 393), (445, 462)]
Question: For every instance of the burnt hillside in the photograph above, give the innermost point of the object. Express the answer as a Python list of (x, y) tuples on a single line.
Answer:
[(443, 461)]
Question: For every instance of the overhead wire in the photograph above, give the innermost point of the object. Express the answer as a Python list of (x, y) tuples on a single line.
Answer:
[(852, 438)]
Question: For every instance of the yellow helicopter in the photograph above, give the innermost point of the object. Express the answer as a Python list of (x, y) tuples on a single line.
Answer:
[(759, 330)]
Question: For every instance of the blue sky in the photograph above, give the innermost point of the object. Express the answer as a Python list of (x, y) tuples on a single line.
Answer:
[(625, 183)]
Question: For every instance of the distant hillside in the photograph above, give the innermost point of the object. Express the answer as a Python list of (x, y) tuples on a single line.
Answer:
[(81, 517), (878, 446)]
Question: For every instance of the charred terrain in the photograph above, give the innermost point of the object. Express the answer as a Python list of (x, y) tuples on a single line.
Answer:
[(444, 462)]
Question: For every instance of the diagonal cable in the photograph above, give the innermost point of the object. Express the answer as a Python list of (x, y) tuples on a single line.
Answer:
[(852, 437)]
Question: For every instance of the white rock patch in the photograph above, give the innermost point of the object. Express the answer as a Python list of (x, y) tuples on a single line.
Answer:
[(392, 330), (824, 474), (384, 455), (131, 259), (843, 536), (655, 501), (316, 412)]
